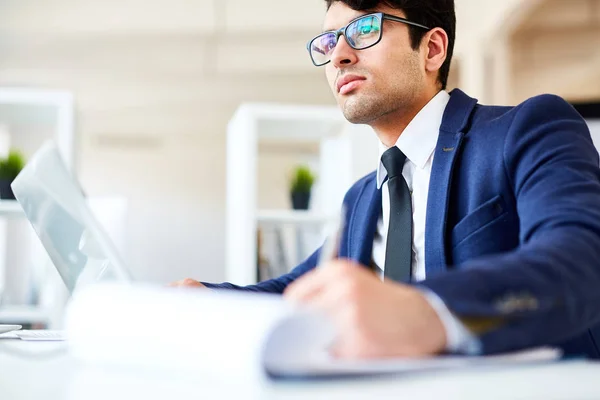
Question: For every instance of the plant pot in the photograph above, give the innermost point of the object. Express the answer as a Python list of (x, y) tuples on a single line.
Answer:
[(6, 192), (300, 200)]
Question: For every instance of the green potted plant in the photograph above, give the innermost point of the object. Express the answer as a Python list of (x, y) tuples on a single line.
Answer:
[(301, 185), (9, 169)]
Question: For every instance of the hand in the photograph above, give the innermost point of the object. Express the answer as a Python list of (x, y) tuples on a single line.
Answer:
[(187, 283), (374, 319)]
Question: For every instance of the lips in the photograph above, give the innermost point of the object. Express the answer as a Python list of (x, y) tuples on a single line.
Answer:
[(349, 83)]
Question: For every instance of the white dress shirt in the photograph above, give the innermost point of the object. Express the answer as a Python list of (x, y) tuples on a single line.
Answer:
[(418, 142)]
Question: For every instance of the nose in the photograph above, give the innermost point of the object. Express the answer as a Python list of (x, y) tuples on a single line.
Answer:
[(343, 55)]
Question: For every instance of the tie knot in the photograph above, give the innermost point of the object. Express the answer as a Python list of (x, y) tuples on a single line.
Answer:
[(393, 160)]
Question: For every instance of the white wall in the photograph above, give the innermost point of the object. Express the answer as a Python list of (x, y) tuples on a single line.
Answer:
[(174, 193)]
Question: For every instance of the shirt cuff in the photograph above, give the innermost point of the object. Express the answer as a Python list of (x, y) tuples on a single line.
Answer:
[(459, 338)]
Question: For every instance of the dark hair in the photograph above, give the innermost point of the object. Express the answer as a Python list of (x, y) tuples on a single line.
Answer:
[(431, 13)]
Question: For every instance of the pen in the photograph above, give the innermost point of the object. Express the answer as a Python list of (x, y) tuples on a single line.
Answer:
[(332, 243)]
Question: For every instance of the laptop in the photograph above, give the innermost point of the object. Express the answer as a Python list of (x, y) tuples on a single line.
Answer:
[(55, 205)]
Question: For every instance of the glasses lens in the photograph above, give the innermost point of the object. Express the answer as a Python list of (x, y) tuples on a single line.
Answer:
[(364, 32), (321, 48)]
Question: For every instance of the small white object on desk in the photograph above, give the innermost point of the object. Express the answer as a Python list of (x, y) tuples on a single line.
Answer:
[(41, 335), (9, 328)]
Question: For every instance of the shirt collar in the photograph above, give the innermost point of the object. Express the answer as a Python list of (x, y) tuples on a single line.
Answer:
[(419, 138)]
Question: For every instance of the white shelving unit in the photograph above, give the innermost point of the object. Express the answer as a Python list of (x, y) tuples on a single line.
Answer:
[(292, 217), (347, 152), (27, 118), (10, 209)]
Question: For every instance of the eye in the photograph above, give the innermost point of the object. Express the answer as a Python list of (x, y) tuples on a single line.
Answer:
[(328, 44), (367, 26), (364, 30)]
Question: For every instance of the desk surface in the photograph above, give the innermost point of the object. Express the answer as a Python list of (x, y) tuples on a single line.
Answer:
[(45, 371)]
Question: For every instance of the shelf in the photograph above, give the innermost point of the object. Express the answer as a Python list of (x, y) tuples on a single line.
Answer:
[(10, 208), (292, 217), (304, 123), (23, 315)]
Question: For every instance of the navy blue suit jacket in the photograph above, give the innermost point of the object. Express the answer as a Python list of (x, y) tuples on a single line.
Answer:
[(512, 229)]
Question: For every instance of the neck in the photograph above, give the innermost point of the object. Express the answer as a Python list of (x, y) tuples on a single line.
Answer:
[(390, 126)]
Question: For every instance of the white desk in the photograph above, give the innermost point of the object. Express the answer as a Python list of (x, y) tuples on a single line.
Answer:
[(41, 371)]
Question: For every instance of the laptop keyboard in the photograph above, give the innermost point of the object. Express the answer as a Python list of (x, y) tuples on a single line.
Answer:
[(41, 335)]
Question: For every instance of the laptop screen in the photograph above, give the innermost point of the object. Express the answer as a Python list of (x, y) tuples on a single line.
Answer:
[(56, 207)]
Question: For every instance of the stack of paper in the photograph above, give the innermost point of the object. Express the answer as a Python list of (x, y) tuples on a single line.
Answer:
[(225, 334)]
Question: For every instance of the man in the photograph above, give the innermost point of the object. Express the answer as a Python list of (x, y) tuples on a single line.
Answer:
[(484, 222)]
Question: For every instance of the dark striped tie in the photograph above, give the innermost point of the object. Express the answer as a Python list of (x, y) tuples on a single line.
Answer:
[(398, 253)]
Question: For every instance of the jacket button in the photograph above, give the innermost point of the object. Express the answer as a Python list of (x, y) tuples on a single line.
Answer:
[(515, 303)]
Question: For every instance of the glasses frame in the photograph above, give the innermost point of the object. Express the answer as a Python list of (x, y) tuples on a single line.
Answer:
[(344, 29)]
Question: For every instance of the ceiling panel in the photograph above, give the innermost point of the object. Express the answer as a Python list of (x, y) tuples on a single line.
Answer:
[(107, 16), (131, 56), (554, 14), (561, 47), (270, 15)]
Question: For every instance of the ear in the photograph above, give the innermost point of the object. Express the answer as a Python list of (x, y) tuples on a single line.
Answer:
[(436, 41)]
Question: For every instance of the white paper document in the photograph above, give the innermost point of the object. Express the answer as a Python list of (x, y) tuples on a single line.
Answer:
[(226, 333)]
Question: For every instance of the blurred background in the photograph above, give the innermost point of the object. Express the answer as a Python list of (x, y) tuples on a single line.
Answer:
[(156, 103)]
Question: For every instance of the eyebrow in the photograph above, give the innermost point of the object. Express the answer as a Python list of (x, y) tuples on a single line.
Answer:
[(367, 12)]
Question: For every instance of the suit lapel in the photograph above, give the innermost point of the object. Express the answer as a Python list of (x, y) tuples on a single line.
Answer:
[(454, 123), (363, 224)]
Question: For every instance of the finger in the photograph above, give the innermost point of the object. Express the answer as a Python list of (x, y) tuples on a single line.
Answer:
[(310, 284), (188, 282), (191, 283), (347, 344), (304, 288), (346, 348), (331, 300)]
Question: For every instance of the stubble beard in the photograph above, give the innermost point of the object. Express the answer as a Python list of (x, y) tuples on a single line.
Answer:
[(368, 105), (367, 108)]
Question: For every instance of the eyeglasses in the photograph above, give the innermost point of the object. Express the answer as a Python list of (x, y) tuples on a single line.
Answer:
[(361, 33)]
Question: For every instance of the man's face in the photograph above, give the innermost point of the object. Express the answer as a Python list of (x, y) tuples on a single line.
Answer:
[(389, 75)]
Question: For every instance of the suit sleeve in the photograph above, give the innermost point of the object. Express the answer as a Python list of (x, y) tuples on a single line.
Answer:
[(548, 289), (276, 285)]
